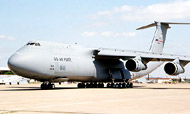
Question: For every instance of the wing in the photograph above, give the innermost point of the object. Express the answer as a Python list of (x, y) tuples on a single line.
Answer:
[(104, 53)]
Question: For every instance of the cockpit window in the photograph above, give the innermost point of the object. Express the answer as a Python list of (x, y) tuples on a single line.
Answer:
[(36, 44)]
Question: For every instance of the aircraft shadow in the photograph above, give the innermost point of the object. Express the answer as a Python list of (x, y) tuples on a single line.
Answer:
[(144, 87), (35, 88), (57, 88), (65, 88)]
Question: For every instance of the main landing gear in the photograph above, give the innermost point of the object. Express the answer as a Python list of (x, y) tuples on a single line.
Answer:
[(48, 85), (109, 85), (120, 85), (91, 85)]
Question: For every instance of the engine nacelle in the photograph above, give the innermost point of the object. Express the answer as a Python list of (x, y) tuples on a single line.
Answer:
[(173, 68), (135, 65)]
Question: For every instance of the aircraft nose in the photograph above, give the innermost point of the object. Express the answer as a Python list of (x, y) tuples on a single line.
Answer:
[(21, 64), (15, 62)]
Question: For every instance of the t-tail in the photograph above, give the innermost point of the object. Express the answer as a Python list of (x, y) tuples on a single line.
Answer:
[(157, 46), (159, 38)]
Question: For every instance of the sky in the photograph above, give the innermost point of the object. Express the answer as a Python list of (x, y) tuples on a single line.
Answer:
[(93, 23)]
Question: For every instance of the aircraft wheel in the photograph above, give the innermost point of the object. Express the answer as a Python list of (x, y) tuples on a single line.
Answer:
[(131, 85), (79, 85), (117, 85), (91, 85), (83, 85), (87, 85), (94, 85), (112, 85), (120, 85), (100, 85), (43, 86), (50, 86), (53, 86), (123, 85), (127, 86), (108, 85)]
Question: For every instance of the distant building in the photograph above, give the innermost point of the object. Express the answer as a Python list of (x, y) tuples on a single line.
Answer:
[(168, 80), (8, 77), (159, 80)]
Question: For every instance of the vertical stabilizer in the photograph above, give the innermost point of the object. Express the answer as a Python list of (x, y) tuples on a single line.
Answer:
[(159, 38), (158, 41)]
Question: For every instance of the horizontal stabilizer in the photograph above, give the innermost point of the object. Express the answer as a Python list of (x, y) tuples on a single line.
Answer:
[(147, 26), (155, 23)]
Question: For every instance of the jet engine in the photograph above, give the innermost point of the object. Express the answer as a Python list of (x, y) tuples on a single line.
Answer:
[(135, 65), (173, 68)]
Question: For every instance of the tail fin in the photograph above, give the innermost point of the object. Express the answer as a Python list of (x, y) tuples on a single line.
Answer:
[(159, 38)]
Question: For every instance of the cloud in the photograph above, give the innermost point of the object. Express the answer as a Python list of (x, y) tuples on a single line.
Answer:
[(10, 38), (176, 10), (89, 34), (97, 24), (109, 34)]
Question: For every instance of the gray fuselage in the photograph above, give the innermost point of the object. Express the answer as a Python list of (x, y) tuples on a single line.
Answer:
[(56, 62)]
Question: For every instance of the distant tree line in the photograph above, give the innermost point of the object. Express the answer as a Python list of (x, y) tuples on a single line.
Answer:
[(7, 73)]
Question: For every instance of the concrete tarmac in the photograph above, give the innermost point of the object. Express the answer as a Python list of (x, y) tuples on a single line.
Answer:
[(68, 99)]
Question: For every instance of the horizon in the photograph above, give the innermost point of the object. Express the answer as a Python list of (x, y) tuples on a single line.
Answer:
[(106, 24)]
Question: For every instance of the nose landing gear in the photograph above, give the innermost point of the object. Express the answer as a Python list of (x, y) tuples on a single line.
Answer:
[(48, 85)]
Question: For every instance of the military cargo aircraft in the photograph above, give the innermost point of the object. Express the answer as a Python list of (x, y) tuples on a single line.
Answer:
[(51, 62)]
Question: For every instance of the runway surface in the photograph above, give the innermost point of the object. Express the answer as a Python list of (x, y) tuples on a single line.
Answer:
[(68, 99)]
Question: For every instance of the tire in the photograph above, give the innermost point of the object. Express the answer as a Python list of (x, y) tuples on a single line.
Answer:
[(102, 85), (43, 86), (116, 85), (87, 85), (94, 85), (99, 85), (131, 85), (83, 85), (52, 86), (112, 85), (120, 85), (108, 85), (79, 85), (127, 85), (123, 85)]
